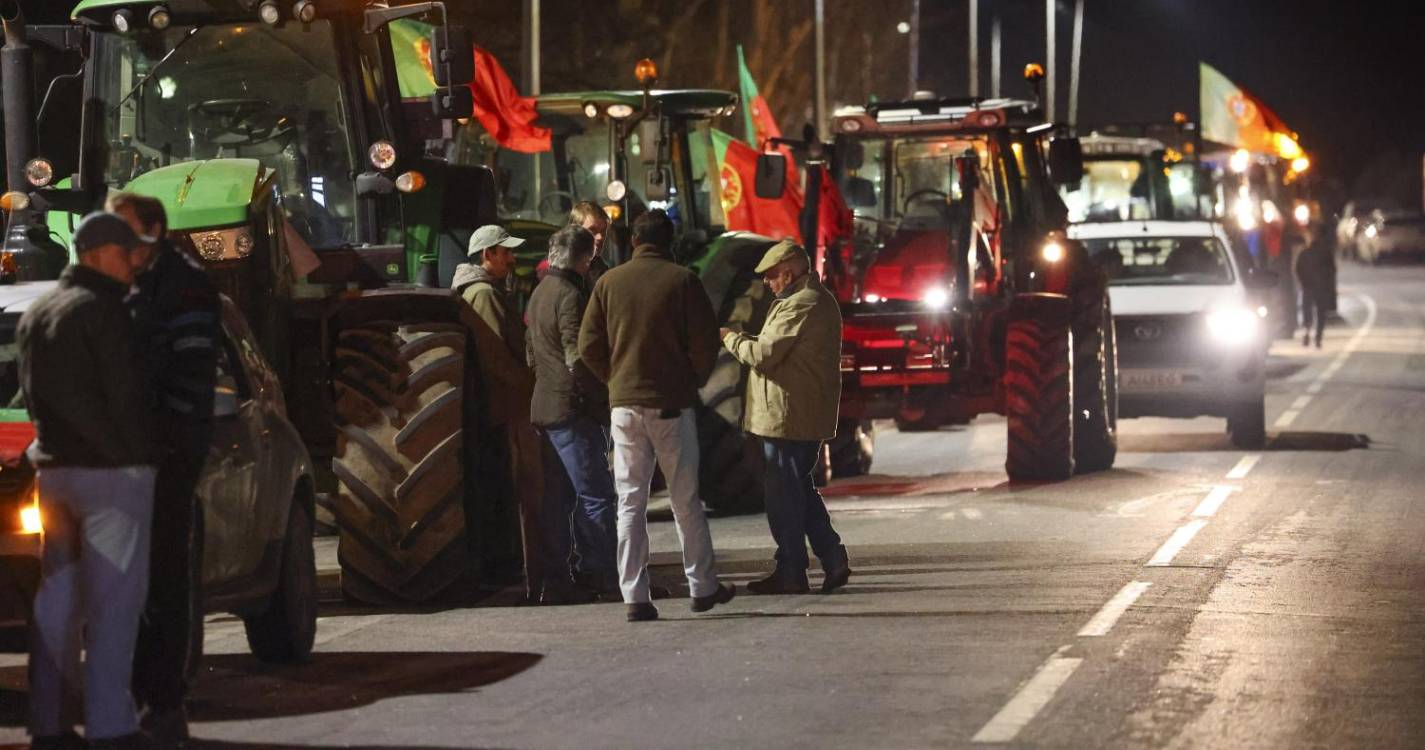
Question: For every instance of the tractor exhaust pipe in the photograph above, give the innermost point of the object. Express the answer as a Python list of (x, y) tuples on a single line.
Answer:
[(17, 81)]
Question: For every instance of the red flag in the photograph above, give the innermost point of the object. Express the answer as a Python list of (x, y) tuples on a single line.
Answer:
[(505, 115), (746, 212)]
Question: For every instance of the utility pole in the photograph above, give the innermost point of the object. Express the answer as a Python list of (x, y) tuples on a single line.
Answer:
[(995, 54), (914, 46), (974, 49), (819, 104), (1049, 55), (1075, 56), (529, 48)]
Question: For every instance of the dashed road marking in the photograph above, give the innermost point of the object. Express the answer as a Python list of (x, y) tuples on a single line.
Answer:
[(1214, 500), (1244, 467), (1180, 538), (1029, 700), (973, 514), (1287, 418), (1114, 609), (1300, 402)]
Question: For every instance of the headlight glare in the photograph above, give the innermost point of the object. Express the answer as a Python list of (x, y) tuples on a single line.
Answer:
[(1053, 251), (1236, 325), (619, 111), (223, 244), (30, 522), (936, 297)]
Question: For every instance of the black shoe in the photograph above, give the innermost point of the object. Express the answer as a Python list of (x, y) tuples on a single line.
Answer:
[(642, 612), (167, 727), (723, 595), (557, 593), (836, 578), (135, 741), (70, 740), (780, 583)]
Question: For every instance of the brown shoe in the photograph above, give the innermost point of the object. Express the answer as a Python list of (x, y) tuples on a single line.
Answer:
[(642, 612), (723, 595), (780, 583)]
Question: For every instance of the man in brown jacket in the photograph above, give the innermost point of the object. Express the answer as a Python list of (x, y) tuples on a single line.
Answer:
[(651, 334), (793, 394)]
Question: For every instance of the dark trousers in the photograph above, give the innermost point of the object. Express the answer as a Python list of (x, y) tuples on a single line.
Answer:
[(580, 529), (1315, 303), (796, 512), (173, 614)]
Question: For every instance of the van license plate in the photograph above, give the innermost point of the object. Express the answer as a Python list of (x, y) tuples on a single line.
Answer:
[(1151, 379)]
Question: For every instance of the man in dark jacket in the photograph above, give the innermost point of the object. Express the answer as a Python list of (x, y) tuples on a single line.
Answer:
[(651, 334), (570, 407), (176, 315), (1316, 274), (95, 453)]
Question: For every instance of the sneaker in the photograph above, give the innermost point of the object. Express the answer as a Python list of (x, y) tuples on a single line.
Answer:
[(642, 612), (780, 583), (723, 595), (167, 727)]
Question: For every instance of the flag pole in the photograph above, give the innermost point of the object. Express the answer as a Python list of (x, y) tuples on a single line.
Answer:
[(1049, 61), (1076, 56), (974, 49), (995, 54), (819, 104)]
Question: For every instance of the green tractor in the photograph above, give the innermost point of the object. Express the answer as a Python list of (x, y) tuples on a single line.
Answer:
[(630, 151), (275, 134)]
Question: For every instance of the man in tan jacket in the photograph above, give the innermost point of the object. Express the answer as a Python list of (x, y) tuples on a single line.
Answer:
[(793, 394)]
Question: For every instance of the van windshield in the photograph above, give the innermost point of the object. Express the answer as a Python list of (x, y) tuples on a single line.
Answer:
[(1162, 260)]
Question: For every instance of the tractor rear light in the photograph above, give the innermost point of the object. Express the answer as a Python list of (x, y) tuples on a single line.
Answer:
[(988, 119), (8, 267), (39, 172)]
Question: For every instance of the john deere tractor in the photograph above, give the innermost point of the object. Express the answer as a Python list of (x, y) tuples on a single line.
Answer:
[(275, 134)]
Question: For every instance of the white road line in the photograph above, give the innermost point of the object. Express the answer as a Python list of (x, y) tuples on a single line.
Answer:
[(948, 515), (1315, 386), (1244, 466), (1114, 609), (1214, 500), (973, 514), (1287, 418), (1180, 538), (1022, 708), (1300, 402)]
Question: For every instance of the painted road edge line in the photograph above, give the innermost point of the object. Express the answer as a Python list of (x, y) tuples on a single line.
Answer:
[(1244, 467), (1287, 418), (1114, 609), (1029, 700), (1180, 538), (1214, 500)]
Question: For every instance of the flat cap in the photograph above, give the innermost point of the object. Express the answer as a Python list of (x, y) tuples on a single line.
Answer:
[(779, 253), (99, 229)]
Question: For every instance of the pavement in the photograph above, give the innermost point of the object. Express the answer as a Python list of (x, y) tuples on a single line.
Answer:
[(1194, 596)]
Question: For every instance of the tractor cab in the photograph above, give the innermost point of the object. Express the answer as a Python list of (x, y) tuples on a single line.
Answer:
[(1139, 173)]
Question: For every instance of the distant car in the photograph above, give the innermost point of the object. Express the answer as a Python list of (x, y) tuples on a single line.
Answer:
[(1391, 234), (255, 498), (1354, 217), (1192, 335)]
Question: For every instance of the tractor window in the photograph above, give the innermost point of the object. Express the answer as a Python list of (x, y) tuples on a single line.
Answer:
[(1111, 190), (707, 183), (925, 179), (236, 91), (1162, 260), (543, 186)]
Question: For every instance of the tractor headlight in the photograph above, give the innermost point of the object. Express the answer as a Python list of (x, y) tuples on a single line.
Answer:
[(619, 111), (39, 172), (1052, 251), (936, 297), (1233, 325), (159, 18), (382, 155), (616, 190), (223, 244)]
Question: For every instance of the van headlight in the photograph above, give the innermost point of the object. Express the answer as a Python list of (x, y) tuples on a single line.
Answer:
[(30, 522), (1234, 325), (936, 297), (223, 244)]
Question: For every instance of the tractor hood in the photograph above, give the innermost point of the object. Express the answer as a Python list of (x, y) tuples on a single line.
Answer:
[(913, 261), (203, 194)]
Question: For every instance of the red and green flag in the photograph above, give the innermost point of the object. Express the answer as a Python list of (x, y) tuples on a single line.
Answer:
[(757, 116), (737, 164), (1234, 117)]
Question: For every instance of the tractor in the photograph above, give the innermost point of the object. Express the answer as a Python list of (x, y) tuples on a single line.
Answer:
[(960, 292)]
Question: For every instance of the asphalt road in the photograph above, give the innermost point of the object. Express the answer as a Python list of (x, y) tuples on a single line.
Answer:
[(1195, 596)]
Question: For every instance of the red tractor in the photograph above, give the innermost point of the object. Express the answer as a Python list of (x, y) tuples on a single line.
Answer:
[(960, 293)]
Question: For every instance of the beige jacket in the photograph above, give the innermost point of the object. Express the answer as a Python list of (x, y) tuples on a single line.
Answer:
[(794, 388)]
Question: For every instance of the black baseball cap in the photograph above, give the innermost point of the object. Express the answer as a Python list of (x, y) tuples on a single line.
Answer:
[(99, 229)]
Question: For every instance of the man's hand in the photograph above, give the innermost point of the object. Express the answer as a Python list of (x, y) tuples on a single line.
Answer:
[(722, 332)]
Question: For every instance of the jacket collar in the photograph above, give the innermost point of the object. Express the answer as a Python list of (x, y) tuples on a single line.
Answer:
[(798, 285), (569, 275), (651, 251), (95, 281)]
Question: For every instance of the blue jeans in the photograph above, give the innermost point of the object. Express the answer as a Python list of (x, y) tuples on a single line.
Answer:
[(795, 511), (579, 501)]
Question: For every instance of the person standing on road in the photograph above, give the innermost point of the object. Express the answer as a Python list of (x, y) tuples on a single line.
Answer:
[(1316, 275), (571, 408), (514, 461), (591, 216), (176, 315), (793, 394), (650, 333), (95, 454)]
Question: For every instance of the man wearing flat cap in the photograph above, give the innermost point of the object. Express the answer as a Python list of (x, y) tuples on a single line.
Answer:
[(95, 455), (793, 393)]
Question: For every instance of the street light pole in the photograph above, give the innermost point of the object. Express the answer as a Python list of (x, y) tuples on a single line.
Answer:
[(1049, 55), (1075, 56), (914, 45), (530, 48), (995, 54), (819, 104), (974, 49)]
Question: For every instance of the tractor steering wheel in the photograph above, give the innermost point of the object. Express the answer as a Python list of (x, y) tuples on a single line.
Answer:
[(554, 208), (922, 195), (239, 122)]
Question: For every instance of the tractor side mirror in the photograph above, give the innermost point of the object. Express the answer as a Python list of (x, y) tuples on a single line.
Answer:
[(771, 179), (859, 192), (656, 188), (452, 59), (1066, 161)]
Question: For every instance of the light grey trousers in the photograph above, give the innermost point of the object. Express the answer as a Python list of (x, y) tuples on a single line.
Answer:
[(92, 588), (641, 436)]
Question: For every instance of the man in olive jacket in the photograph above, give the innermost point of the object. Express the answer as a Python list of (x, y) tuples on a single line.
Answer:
[(793, 394), (651, 334)]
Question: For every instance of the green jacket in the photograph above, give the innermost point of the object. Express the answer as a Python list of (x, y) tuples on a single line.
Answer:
[(500, 343), (794, 387), (650, 332)]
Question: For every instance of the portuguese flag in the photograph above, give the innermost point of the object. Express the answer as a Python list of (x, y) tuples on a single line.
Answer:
[(757, 116), (1234, 117), (745, 212), (505, 115)]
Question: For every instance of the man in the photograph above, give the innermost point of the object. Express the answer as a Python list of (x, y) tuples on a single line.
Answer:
[(95, 453), (500, 342), (650, 333), (176, 315), (793, 393), (591, 216), (1316, 274), (570, 407)]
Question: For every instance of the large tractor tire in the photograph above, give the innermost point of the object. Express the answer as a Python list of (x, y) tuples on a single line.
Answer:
[(1039, 391), (853, 449), (1095, 388), (399, 390)]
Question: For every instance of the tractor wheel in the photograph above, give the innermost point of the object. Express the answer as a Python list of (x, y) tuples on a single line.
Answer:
[(400, 432), (730, 468), (916, 425), (287, 629), (1095, 390), (852, 450), (1039, 399)]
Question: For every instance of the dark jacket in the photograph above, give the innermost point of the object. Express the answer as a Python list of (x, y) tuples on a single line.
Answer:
[(176, 318), (499, 344), (564, 387), (650, 332), (1316, 267), (82, 376)]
